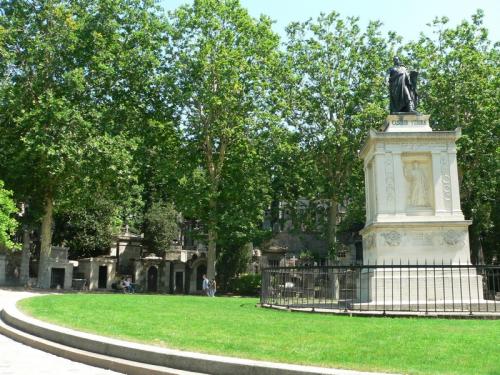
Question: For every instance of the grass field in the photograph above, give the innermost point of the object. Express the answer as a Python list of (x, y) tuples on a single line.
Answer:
[(235, 327)]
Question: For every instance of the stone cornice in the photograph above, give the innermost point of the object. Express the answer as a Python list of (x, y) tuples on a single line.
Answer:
[(415, 224), (408, 137)]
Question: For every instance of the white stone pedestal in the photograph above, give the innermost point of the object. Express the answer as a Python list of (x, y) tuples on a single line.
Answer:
[(407, 123), (442, 288), (413, 212)]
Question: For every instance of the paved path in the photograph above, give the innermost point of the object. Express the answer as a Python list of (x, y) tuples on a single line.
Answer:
[(19, 359)]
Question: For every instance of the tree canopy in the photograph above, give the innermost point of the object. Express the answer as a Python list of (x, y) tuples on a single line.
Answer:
[(461, 76), (75, 87), (108, 107), (161, 226), (221, 64), (337, 92)]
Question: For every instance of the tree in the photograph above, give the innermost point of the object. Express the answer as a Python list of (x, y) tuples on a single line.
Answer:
[(8, 224), (460, 70), (337, 92), (159, 157), (90, 230), (161, 226), (221, 63), (75, 79)]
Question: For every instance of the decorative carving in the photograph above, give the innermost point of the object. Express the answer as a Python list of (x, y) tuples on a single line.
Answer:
[(389, 180), (392, 238), (453, 238), (445, 169), (370, 241), (418, 185)]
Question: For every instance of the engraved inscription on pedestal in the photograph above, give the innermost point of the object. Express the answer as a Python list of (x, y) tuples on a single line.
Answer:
[(407, 122), (421, 239)]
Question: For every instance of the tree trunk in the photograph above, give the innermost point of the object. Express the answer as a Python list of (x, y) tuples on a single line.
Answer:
[(212, 237), (332, 224), (476, 248), (25, 259), (46, 241)]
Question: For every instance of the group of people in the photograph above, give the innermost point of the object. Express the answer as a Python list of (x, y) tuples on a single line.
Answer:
[(209, 286), (127, 285)]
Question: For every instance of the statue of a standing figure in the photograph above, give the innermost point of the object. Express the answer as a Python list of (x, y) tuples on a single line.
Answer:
[(402, 88), (418, 195)]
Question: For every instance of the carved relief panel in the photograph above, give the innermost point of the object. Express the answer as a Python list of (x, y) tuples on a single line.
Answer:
[(453, 238), (389, 181), (392, 238), (446, 179), (371, 193), (370, 241), (418, 181)]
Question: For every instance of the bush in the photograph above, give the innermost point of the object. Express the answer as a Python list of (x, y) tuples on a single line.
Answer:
[(246, 285)]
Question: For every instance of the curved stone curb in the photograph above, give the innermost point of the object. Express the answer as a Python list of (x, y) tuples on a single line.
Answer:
[(81, 356), (169, 358)]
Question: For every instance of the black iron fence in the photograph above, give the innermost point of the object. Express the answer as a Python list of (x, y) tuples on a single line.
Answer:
[(384, 288)]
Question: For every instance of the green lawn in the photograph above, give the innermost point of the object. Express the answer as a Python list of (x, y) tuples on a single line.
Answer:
[(235, 327)]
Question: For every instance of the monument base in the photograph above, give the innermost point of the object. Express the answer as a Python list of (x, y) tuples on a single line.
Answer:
[(414, 219), (420, 286), (417, 243)]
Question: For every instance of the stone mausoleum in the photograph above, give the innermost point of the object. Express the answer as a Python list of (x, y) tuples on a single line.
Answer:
[(178, 270)]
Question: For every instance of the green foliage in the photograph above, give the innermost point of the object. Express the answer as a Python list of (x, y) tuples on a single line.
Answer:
[(306, 255), (220, 63), (337, 92), (77, 84), (203, 109), (88, 231), (232, 260), (160, 160), (161, 226), (246, 285), (56, 108), (461, 75), (8, 224)]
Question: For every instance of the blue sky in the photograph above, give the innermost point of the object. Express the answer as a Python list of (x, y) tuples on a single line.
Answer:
[(407, 18)]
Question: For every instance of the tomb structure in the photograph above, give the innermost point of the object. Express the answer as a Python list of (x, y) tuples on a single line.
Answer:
[(413, 214)]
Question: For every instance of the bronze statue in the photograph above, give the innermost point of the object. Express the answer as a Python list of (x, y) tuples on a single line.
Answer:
[(402, 88)]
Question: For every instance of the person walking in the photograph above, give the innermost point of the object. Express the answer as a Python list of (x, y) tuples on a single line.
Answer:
[(205, 285), (212, 288)]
